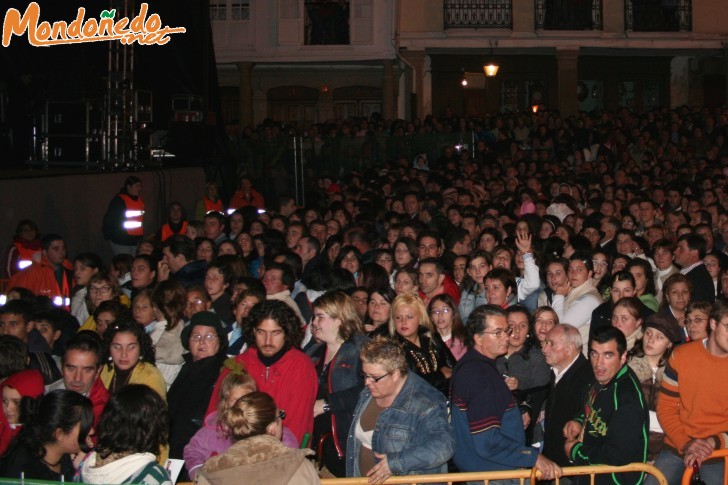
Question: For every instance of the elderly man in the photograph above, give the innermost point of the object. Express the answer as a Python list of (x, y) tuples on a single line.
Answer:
[(691, 405), (612, 427), (486, 421), (277, 365), (571, 377)]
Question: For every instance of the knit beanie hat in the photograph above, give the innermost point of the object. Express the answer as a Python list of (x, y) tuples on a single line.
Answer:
[(668, 327)]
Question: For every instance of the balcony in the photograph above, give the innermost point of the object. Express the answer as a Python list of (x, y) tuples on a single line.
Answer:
[(478, 14), (658, 15), (569, 14)]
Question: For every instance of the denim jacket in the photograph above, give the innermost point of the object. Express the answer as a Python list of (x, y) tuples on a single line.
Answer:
[(413, 432), (469, 301), (344, 386)]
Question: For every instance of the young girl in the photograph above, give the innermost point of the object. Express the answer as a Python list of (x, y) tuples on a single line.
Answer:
[(212, 438)]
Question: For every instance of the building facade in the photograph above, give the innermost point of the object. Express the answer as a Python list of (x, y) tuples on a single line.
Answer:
[(317, 60)]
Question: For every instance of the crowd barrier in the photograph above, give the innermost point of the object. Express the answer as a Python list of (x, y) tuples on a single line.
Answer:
[(523, 475), (688, 475)]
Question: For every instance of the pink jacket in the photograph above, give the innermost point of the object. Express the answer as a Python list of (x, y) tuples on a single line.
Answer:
[(211, 440)]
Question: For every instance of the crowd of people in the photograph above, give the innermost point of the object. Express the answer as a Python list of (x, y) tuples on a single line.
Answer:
[(556, 297)]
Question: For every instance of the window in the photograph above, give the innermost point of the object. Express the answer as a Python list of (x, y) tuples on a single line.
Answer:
[(327, 21)]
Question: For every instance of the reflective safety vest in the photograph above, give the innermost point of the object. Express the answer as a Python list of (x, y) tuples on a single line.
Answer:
[(211, 206), (133, 216), (25, 255), (167, 231)]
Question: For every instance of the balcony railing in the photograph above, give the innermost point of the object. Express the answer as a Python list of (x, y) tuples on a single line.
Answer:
[(569, 14), (478, 14), (658, 15)]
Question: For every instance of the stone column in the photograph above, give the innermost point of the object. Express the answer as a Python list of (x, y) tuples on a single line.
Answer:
[(245, 107), (567, 75), (524, 18), (389, 108), (417, 60)]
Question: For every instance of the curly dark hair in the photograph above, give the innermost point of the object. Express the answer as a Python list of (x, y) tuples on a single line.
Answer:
[(60, 409), (135, 420), (280, 313), (146, 351)]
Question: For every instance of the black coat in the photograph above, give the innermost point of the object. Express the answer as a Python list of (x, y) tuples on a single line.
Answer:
[(21, 459), (565, 401), (188, 398), (703, 288)]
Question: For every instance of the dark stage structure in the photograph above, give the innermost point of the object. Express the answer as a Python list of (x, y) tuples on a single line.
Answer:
[(110, 106)]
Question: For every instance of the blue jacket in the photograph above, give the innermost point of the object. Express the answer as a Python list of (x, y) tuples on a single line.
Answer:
[(485, 419), (413, 432), (344, 386)]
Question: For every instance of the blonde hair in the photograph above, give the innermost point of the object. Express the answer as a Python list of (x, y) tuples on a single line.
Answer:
[(339, 305), (386, 353), (419, 307), (250, 415), (231, 382)]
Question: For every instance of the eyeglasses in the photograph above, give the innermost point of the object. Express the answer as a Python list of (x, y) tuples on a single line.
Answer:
[(441, 311), (208, 337), (281, 415), (374, 379), (194, 303), (500, 332), (103, 290)]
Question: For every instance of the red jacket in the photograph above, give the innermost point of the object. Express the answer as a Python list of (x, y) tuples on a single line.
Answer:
[(291, 382), (99, 396), (448, 286)]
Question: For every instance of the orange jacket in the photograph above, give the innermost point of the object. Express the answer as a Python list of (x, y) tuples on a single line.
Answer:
[(40, 278), (167, 231)]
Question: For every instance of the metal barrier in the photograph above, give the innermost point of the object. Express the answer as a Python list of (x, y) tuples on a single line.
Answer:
[(523, 475), (688, 474)]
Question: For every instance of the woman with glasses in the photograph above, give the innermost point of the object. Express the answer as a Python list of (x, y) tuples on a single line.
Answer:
[(697, 320), (446, 317), (206, 340), (426, 353), (601, 279), (258, 455), (338, 329), (400, 425), (101, 287)]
